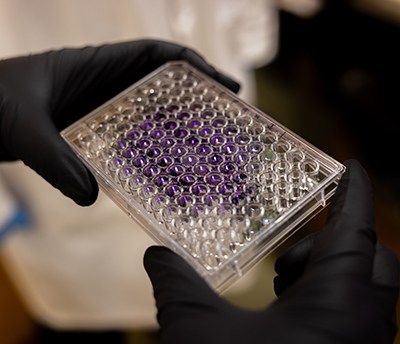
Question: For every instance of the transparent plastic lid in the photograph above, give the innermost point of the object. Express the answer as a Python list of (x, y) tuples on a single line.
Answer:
[(206, 174)]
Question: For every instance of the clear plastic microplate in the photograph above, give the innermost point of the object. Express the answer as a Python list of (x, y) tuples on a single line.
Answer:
[(207, 175)]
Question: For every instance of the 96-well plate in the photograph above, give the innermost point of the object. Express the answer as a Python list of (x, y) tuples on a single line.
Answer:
[(207, 175)]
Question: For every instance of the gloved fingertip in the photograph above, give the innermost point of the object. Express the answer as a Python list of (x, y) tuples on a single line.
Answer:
[(197, 61), (280, 284), (228, 83), (293, 261), (88, 196), (156, 256)]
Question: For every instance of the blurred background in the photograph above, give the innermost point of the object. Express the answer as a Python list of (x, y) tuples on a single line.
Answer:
[(328, 70)]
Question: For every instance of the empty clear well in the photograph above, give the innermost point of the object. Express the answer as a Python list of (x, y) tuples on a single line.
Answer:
[(209, 174)]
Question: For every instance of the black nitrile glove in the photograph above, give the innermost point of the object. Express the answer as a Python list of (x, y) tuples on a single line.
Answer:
[(340, 288), (42, 94)]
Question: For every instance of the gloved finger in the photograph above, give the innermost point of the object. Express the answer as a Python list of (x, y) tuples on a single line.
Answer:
[(290, 265), (40, 146), (385, 275), (93, 75), (347, 244), (174, 281), (162, 52)]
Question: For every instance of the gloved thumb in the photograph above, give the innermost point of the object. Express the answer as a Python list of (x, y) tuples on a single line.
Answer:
[(174, 281)]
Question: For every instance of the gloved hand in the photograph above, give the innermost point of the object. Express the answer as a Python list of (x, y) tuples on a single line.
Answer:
[(340, 287), (44, 93)]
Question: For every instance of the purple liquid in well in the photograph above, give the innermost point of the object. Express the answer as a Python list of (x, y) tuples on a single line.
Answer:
[(199, 190), (165, 161), (170, 125), (150, 171), (183, 116), (228, 168), (187, 180), (190, 160), (173, 190), (143, 143), (146, 126), (240, 178), (203, 150), (217, 140), (176, 170), (192, 141), (157, 134), (214, 179), (206, 132), (180, 133), (178, 151), (159, 116), (201, 170), (129, 153), (229, 149), (226, 189), (167, 142), (154, 152), (216, 159), (133, 135), (161, 180), (139, 162)]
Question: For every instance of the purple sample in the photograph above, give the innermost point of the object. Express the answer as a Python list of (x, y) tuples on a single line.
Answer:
[(226, 189), (173, 190), (214, 179), (187, 180), (180, 133), (241, 178), (139, 162), (217, 140), (199, 189), (203, 150), (178, 151), (176, 170), (238, 199), (216, 159), (206, 131), (185, 201), (242, 159), (146, 126), (194, 123), (133, 135), (189, 160), (161, 180), (228, 168), (192, 141), (202, 170), (170, 125), (129, 153), (212, 200), (150, 171), (229, 149), (153, 152), (160, 116), (143, 143), (183, 116), (157, 134), (167, 142), (165, 161)]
